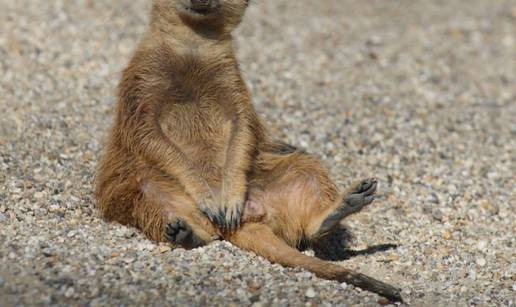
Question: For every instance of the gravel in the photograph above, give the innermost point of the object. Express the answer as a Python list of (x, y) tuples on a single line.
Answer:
[(420, 94)]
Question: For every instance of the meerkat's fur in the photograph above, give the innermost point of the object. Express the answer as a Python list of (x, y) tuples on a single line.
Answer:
[(189, 161)]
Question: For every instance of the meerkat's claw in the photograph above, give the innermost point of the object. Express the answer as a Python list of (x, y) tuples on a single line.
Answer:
[(226, 218), (214, 218), (223, 220), (235, 219)]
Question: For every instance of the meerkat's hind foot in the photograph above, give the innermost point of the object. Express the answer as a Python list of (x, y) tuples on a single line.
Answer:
[(181, 234), (362, 194), (359, 196)]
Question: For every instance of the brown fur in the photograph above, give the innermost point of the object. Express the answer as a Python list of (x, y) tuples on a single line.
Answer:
[(186, 140)]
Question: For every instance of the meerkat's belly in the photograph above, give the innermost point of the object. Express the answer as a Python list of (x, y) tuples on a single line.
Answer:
[(203, 135)]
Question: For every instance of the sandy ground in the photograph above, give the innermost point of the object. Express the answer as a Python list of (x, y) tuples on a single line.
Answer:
[(421, 94)]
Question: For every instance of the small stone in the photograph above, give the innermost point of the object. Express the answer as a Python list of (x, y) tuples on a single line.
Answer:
[(39, 195), (437, 215), (383, 301), (255, 285), (129, 233), (433, 198), (46, 299), (304, 274), (374, 41), (481, 261), (2, 281), (472, 274), (69, 292), (446, 235), (254, 298), (164, 249), (310, 293)]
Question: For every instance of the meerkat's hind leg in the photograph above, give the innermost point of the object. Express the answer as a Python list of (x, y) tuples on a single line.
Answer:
[(356, 199)]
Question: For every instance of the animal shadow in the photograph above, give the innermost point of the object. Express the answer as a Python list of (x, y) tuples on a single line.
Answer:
[(335, 246)]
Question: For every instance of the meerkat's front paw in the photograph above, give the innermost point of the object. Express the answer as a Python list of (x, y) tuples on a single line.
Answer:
[(211, 209), (228, 216), (180, 233), (231, 214)]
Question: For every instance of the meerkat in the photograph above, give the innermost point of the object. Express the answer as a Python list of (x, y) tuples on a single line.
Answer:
[(189, 161)]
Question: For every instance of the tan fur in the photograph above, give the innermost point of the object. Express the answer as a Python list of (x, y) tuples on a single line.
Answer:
[(186, 138)]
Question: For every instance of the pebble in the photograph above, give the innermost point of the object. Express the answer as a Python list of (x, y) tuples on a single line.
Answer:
[(310, 293), (446, 235), (473, 274), (481, 261), (164, 248), (437, 215), (69, 292), (433, 198), (482, 245), (39, 195)]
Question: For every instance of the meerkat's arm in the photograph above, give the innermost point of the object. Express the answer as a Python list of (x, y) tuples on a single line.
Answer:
[(238, 162), (142, 134), (239, 155)]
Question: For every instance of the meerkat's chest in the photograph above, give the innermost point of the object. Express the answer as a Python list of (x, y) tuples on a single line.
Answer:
[(199, 110), (189, 123), (201, 130)]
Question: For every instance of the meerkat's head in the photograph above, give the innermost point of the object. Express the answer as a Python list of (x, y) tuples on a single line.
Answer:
[(209, 15)]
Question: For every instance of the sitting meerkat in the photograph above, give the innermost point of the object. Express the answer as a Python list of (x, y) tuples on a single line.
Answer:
[(189, 161)]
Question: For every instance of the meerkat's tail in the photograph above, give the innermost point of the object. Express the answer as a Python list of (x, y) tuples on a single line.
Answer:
[(260, 239)]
